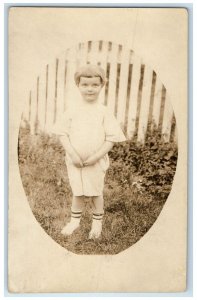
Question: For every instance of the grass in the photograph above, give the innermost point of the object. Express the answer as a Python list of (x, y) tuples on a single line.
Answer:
[(138, 183)]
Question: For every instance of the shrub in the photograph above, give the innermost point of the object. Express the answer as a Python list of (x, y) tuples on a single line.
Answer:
[(148, 168), (137, 185)]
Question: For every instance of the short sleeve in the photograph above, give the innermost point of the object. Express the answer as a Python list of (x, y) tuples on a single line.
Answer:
[(113, 131), (62, 126)]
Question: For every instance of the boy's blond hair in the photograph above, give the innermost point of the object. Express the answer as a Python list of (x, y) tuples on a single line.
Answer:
[(89, 71)]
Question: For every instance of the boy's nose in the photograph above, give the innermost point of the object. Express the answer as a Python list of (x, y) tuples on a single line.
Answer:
[(89, 88)]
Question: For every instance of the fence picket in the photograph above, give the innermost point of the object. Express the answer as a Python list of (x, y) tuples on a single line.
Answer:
[(70, 89), (42, 104), (133, 96), (93, 54), (132, 92), (102, 54), (145, 104), (102, 61), (46, 93), (89, 47), (162, 107), (33, 110), (150, 113), (112, 63), (82, 53), (130, 71), (122, 96), (136, 61), (157, 103), (167, 120), (60, 86), (118, 72), (51, 95)]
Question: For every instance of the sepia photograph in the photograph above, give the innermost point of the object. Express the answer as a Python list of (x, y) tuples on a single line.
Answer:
[(123, 115), (95, 142)]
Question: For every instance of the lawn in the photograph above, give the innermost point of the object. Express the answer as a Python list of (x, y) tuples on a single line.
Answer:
[(137, 185)]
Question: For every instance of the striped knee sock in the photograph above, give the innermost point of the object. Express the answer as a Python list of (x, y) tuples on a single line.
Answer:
[(76, 214), (97, 216)]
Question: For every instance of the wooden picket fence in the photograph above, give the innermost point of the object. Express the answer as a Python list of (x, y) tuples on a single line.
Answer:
[(133, 91)]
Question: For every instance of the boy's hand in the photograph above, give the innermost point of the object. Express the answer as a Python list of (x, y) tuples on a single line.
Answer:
[(76, 160), (90, 161), (105, 148)]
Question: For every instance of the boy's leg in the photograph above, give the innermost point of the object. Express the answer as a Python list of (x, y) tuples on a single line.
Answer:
[(98, 211), (76, 211)]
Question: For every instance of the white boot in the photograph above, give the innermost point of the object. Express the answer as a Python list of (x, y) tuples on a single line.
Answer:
[(70, 227), (96, 229)]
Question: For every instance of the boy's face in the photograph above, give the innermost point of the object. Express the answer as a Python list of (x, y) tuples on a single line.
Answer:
[(90, 88)]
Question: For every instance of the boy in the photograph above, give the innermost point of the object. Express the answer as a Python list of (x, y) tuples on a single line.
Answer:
[(88, 133)]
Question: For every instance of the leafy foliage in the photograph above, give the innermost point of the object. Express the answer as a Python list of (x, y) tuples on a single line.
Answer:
[(138, 183), (148, 167)]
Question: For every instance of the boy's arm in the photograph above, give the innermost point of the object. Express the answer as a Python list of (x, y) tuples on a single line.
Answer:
[(105, 148), (71, 152)]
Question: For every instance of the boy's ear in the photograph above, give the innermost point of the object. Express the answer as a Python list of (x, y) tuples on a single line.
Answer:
[(104, 82)]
